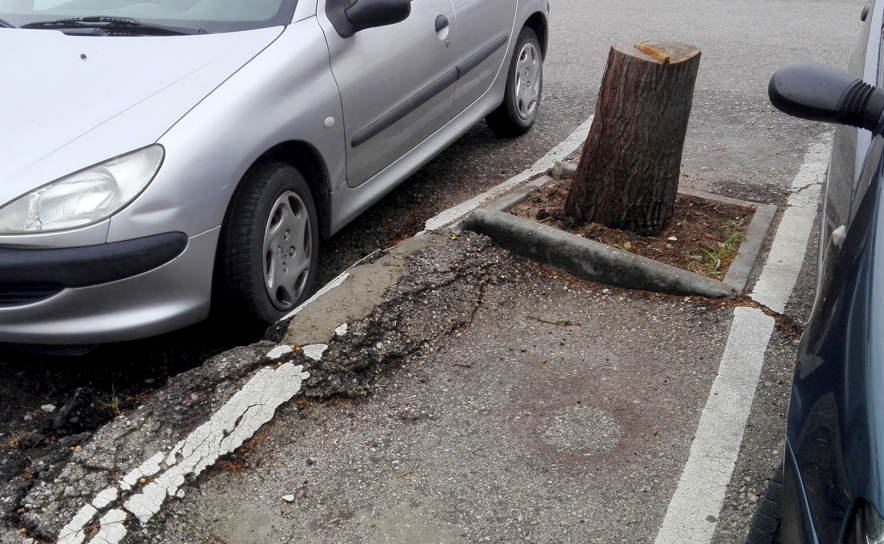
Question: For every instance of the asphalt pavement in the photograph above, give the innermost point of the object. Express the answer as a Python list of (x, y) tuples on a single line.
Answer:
[(535, 408), (486, 398), (446, 390), (424, 420)]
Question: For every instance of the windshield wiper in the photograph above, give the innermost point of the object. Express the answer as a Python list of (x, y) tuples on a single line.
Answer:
[(5, 24), (108, 26)]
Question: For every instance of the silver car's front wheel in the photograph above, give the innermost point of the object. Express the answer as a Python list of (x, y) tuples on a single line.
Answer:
[(267, 251), (524, 86), (288, 251)]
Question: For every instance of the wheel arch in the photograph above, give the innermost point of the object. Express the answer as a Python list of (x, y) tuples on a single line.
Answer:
[(538, 23), (310, 164)]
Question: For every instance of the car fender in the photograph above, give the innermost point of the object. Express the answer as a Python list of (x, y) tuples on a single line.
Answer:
[(287, 93)]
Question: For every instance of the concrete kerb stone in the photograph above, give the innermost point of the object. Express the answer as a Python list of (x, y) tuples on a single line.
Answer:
[(740, 269), (513, 199), (589, 260), (560, 249)]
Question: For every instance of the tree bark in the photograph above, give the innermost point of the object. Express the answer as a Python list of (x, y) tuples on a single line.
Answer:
[(628, 174)]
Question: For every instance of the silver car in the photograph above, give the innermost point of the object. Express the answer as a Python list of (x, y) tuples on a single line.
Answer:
[(161, 157)]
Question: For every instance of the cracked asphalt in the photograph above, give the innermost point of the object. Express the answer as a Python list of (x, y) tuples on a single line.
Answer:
[(513, 404), (397, 399)]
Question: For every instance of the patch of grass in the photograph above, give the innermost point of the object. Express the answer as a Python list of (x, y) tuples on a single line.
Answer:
[(713, 260), (113, 404), (12, 442)]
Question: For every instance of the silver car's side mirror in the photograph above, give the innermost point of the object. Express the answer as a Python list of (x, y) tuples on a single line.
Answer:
[(350, 17), (820, 93)]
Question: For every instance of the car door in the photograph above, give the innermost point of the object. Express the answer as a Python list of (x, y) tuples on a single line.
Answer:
[(396, 83), (851, 145), (483, 30)]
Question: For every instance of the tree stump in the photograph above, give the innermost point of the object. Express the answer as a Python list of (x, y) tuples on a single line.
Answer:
[(628, 174)]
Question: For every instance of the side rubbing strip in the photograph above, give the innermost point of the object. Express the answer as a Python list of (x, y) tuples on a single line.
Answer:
[(403, 109), (480, 55), (428, 92)]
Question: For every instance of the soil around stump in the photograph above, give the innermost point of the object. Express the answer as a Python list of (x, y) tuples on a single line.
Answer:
[(703, 236)]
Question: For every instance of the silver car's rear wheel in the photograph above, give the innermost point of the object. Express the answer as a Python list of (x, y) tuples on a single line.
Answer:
[(267, 252), (524, 87)]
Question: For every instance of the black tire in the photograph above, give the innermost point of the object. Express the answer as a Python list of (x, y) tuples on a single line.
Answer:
[(273, 196), (515, 116), (765, 527)]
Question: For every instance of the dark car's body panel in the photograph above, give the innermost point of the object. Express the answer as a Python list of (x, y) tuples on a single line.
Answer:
[(831, 450), (834, 426)]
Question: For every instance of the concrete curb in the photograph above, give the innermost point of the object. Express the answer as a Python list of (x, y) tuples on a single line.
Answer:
[(589, 260), (738, 272), (750, 248)]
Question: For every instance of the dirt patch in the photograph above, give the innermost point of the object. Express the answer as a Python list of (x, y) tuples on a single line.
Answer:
[(703, 236)]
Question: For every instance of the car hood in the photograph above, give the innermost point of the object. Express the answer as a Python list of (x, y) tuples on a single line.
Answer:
[(67, 102)]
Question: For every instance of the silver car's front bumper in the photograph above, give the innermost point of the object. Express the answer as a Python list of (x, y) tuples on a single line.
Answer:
[(170, 296)]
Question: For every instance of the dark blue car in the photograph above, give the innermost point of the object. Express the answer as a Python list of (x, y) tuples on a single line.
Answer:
[(830, 488)]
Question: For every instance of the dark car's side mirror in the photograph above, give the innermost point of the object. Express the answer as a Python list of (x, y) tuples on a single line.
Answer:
[(363, 14), (820, 93)]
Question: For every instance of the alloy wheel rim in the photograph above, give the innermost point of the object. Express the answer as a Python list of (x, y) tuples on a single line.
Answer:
[(287, 251), (527, 85)]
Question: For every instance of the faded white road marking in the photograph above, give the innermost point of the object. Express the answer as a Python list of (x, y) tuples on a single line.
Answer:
[(72, 533), (248, 409), (714, 451), (558, 153), (787, 253), (232, 425), (325, 289), (112, 528), (279, 351), (692, 515), (144, 470), (104, 498), (315, 351)]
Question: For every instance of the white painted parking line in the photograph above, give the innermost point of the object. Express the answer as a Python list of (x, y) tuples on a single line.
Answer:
[(558, 153), (787, 253), (73, 533), (236, 421), (112, 528), (693, 512), (697, 502), (325, 289)]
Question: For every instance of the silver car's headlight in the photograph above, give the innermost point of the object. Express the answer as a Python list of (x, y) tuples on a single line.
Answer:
[(85, 197)]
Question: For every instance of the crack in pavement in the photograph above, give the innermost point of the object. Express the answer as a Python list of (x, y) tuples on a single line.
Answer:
[(229, 428), (444, 288)]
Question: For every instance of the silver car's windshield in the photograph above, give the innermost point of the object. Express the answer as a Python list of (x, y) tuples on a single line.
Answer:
[(196, 15)]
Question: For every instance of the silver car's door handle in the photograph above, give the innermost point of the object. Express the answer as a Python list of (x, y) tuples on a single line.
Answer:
[(441, 23)]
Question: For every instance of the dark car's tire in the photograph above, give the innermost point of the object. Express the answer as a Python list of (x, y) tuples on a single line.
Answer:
[(765, 527), (268, 246), (524, 86)]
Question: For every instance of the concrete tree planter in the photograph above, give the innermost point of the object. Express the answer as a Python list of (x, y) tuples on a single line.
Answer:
[(594, 261)]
